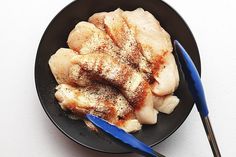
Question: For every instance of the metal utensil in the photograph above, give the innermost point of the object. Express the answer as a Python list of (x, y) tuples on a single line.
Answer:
[(195, 85), (123, 136)]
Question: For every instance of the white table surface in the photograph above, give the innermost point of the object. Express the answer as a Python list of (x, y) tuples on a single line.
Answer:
[(25, 130)]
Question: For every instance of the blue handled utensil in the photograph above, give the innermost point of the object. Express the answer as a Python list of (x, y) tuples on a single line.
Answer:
[(124, 137), (195, 85)]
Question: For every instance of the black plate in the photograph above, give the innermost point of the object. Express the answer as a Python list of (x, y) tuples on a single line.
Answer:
[(55, 37)]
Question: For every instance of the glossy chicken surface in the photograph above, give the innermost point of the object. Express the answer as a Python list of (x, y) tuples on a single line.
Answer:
[(127, 52), (99, 100), (66, 72)]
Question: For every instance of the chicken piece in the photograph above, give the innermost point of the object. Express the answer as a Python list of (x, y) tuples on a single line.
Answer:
[(86, 38), (115, 26), (165, 104), (98, 20), (156, 47), (60, 65), (167, 79), (66, 72), (128, 81), (99, 100), (124, 38), (121, 35), (153, 39), (130, 125)]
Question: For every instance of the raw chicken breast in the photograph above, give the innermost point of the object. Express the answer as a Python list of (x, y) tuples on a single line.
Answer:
[(165, 104), (86, 38), (167, 79), (121, 35), (98, 20), (156, 47), (128, 81), (124, 38), (66, 72), (115, 26), (60, 65), (153, 39), (130, 125), (99, 100)]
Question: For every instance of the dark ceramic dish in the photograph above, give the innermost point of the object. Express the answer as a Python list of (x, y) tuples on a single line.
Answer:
[(55, 37)]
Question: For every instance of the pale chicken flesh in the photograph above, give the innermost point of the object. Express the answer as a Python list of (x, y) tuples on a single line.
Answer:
[(64, 71), (99, 100), (129, 51), (156, 47), (165, 104), (60, 65), (87, 38), (98, 20), (167, 79)]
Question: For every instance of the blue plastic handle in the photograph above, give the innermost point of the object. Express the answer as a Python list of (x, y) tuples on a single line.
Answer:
[(121, 135), (193, 79)]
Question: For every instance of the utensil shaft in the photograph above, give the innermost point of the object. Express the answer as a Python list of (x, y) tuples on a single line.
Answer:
[(210, 135)]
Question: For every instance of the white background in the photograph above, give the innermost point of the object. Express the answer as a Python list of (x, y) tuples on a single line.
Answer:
[(25, 130)]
